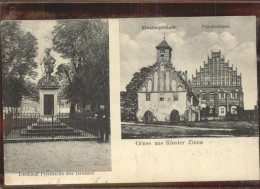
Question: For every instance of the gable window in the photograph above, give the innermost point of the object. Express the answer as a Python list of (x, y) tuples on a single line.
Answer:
[(180, 88), (167, 81), (233, 95), (173, 85), (211, 97), (222, 95), (148, 97), (238, 82), (203, 96), (149, 85), (155, 80)]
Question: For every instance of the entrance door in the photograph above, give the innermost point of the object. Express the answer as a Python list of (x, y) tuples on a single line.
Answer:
[(48, 104), (175, 116), (148, 117)]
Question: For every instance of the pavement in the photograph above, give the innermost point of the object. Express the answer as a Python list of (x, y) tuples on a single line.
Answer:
[(57, 156)]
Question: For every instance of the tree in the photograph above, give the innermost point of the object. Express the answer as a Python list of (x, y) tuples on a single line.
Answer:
[(130, 105), (18, 51), (31, 91), (85, 79)]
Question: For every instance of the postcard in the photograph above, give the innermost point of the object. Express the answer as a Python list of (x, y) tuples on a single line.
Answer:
[(130, 100)]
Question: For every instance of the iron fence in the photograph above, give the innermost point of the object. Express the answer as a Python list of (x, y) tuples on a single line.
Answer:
[(34, 125)]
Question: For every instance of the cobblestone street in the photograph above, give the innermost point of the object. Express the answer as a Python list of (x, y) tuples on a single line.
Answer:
[(57, 156)]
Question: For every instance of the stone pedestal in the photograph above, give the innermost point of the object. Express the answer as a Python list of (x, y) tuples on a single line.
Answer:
[(49, 101), (48, 98)]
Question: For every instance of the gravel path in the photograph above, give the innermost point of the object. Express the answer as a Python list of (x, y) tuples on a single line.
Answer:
[(57, 156)]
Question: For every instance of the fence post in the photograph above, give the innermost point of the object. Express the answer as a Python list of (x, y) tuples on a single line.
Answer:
[(52, 124)]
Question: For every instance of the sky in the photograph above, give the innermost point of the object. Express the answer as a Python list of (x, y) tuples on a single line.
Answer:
[(42, 30), (191, 44)]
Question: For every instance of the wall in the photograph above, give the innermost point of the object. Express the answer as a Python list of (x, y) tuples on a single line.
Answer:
[(161, 109)]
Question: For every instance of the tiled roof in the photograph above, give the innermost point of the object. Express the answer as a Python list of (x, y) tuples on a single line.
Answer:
[(163, 44)]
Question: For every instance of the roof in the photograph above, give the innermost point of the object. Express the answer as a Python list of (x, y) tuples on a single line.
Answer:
[(163, 44)]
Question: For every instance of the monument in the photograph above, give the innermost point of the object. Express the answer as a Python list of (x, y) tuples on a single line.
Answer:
[(48, 87)]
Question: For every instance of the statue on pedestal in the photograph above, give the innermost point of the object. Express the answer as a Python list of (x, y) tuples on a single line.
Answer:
[(48, 62)]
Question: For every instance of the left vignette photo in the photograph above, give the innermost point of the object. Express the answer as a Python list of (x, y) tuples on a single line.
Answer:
[(55, 96)]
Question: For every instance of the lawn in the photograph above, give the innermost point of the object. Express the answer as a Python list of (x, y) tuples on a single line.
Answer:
[(191, 129)]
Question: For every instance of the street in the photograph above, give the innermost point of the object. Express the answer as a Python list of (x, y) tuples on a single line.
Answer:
[(57, 156)]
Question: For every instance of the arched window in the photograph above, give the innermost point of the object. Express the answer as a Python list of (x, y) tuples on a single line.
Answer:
[(149, 85), (143, 89), (174, 85), (155, 80), (167, 81), (180, 88), (162, 82)]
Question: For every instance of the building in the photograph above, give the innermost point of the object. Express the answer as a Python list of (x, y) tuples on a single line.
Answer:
[(219, 88), (165, 95), (26, 106)]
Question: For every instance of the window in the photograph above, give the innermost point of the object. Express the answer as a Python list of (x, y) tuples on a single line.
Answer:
[(167, 81), (222, 111), (173, 85), (233, 95), (221, 95), (161, 57), (149, 85), (238, 82), (180, 88), (161, 82), (175, 97), (148, 97), (233, 110), (155, 80), (161, 97), (143, 89), (203, 96), (211, 97), (234, 80)]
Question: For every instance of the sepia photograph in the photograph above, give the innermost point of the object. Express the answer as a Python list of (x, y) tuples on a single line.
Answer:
[(188, 77), (55, 89)]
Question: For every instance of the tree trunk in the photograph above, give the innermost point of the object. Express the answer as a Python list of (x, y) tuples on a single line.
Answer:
[(72, 110)]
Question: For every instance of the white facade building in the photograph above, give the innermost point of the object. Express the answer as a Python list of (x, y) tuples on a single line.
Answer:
[(165, 95)]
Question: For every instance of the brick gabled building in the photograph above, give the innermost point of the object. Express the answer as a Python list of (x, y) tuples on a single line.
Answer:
[(218, 86)]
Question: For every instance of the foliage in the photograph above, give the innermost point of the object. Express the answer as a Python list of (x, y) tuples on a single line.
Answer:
[(85, 79), (130, 104), (18, 51), (31, 91)]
